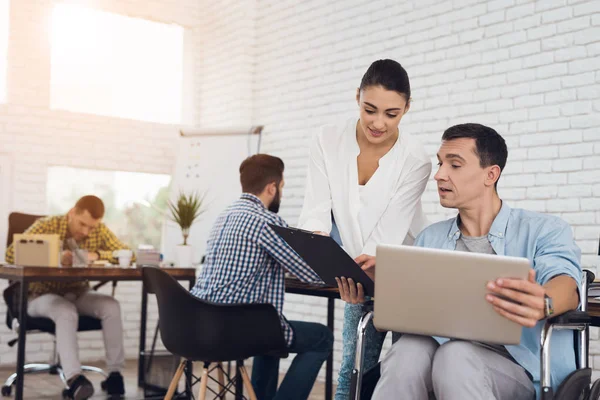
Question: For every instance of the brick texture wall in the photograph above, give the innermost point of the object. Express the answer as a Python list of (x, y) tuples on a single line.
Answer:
[(33, 137), (530, 69)]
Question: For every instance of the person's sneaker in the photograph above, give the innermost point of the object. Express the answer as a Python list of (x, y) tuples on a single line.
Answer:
[(114, 385), (79, 388)]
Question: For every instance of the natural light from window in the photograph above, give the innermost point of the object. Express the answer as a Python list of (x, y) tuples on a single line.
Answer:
[(4, 12), (135, 202), (112, 65)]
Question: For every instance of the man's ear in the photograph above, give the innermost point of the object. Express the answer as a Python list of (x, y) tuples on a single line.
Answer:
[(272, 188), (493, 174)]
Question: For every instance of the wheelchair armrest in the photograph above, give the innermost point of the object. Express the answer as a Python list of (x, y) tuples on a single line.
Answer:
[(571, 318), (367, 306)]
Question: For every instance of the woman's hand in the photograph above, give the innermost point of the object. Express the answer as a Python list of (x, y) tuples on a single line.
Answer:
[(367, 263), (66, 259)]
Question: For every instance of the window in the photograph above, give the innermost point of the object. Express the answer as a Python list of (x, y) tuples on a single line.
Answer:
[(4, 11), (108, 64), (135, 202)]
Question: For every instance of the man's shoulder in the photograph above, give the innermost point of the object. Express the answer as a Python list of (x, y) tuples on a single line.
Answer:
[(532, 220), (253, 215), (48, 224), (103, 228), (435, 234), (269, 217)]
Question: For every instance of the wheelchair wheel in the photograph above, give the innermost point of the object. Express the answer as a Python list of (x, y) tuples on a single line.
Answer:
[(595, 391)]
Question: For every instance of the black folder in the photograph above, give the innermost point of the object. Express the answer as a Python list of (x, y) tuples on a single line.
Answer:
[(325, 257)]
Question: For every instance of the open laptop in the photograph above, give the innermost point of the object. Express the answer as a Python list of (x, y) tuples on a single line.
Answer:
[(442, 293)]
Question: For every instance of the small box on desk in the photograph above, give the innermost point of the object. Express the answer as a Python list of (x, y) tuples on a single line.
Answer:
[(37, 250), (147, 257)]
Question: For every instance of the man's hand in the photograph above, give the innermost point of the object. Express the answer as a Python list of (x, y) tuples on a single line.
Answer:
[(92, 256), (321, 233), (367, 263), (350, 292), (66, 259), (526, 292)]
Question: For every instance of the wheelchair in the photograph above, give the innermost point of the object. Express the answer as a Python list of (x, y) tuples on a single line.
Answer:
[(576, 386)]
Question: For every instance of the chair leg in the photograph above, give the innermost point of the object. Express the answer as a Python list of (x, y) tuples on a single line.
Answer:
[(203, 382), (28, 369), (175, 380), (247, 383), (221, 378), (97, 370)]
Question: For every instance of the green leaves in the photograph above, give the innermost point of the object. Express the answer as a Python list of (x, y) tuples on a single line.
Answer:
[(185, 211)]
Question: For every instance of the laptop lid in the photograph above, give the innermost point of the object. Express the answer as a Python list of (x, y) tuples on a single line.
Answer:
[(442, 293)]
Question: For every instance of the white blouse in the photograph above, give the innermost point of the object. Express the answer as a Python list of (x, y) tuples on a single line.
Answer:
[(385, 210)]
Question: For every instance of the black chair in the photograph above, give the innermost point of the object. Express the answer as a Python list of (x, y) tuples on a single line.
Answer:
[(198, 330), (576, 386), (19, 223)]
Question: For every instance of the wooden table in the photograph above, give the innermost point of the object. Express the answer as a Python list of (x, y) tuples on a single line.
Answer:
[(25, 275)]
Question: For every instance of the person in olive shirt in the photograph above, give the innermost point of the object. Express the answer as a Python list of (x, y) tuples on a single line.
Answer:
[(63, 302)]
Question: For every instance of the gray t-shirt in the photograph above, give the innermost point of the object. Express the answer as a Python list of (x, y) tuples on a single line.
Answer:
[(481, 244)]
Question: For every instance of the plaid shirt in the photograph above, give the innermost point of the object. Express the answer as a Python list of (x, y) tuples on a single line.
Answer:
[(246, 260), (100, 240)]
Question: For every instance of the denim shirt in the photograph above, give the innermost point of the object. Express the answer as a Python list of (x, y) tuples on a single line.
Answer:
[(547, 241)]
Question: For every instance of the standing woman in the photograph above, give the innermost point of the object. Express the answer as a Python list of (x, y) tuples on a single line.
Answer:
[(365, 180)]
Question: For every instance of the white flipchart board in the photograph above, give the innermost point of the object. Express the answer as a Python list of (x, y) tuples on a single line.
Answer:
[(207, 164)]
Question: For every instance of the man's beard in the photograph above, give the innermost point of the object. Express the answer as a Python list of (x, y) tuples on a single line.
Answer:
[(274, 206)]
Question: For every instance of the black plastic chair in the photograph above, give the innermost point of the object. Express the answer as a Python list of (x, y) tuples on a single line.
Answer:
[(198, 330), (576, 386), (18, 223), (36, 324)]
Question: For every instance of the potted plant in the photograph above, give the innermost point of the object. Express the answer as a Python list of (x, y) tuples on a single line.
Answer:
[(184, 212)]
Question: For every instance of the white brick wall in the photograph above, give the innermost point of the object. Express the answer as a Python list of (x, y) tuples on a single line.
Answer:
[(36, 137), (528, 68)]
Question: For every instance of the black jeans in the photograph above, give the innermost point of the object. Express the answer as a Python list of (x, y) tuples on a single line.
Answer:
[(312, 343)]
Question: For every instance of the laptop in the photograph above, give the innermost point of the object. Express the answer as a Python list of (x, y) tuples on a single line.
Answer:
[(442, 293), (325, 257)]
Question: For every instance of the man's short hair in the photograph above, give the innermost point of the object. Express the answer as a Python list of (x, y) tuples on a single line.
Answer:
[(92, 204), (258, 171), (490, 147)]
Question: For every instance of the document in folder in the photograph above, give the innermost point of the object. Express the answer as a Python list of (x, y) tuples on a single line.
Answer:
[(325, 257), (37, 250)]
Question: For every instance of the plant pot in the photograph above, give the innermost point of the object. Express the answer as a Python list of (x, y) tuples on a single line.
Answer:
[(184, 256)]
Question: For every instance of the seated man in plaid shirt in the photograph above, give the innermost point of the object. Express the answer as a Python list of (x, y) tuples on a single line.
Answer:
[(245, 263), (63, 302)]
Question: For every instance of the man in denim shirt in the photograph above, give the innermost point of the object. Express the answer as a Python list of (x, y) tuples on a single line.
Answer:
[(471, 159)]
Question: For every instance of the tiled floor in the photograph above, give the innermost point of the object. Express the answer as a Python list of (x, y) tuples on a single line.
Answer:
[(46, 387)]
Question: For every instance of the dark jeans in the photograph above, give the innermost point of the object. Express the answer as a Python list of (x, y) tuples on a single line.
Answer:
[(312, 343)]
